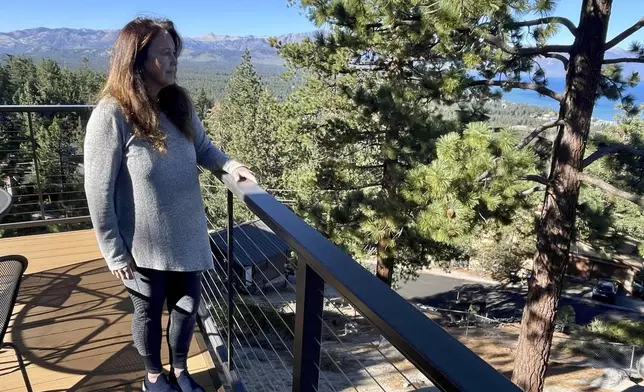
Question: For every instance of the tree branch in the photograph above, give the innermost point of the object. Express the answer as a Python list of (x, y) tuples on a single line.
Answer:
[(357, 188), (551, 19), (534, 189), (608, 188), (623, 60), (624, 34), (536, 178), (499, 43), (522, 85), (538, 131), (611, 149), (559, 57)]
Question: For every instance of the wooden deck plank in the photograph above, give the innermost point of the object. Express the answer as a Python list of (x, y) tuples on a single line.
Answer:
[(72, 322), (81, 247)]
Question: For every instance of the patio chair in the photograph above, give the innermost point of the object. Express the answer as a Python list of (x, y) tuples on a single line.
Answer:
[(11, 270)]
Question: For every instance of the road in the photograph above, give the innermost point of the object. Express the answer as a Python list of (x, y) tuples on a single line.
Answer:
[(438, 291)]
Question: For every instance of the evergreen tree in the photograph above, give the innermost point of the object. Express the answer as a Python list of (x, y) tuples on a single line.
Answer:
[(57, 136), (372, 120), (244, 124), (506, 49), (452, 195), (203, 104)]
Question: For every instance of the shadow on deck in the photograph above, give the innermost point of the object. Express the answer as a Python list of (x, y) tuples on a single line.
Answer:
[(72, 326)]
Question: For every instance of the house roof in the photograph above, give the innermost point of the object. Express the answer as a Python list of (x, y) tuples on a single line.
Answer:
[(253, 242), (624, 260)]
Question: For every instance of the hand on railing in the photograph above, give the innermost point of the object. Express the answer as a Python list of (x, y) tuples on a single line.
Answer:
[(244, 173)]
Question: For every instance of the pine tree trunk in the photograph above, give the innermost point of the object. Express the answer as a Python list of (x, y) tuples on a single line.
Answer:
[(385, 263), (556, 227), (385, 258)]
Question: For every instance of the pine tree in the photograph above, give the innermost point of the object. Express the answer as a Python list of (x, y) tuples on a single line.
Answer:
[(203, 104), (453, 194), (58, 137), (371, 119), (502, 53), (245, 123)]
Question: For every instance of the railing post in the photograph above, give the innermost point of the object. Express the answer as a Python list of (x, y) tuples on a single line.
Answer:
[(32, 136), (229, 282), (308, 329)]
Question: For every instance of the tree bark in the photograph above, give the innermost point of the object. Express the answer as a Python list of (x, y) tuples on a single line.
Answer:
[(385, 257), (556, 226)]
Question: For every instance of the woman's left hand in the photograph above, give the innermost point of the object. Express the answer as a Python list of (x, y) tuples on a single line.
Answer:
[(242, 173)]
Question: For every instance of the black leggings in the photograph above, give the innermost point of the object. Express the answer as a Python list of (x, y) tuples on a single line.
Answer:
[(149, 290)]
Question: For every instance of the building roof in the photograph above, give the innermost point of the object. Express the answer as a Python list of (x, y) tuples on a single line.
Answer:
[(253, 242)]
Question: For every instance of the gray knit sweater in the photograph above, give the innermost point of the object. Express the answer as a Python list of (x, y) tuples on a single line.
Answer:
[(146, 206)]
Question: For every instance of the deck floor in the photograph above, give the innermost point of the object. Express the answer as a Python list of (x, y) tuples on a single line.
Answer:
[(72, 322)]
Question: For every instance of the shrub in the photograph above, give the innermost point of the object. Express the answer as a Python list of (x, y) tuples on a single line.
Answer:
[(566, 317), (619, 331)]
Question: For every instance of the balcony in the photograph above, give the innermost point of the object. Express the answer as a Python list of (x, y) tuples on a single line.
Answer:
[(284, 308)]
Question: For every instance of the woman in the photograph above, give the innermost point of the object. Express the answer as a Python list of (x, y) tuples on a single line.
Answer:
[(142, 147)]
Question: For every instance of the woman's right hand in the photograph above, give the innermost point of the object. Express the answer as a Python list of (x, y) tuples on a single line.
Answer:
[(125, 273)]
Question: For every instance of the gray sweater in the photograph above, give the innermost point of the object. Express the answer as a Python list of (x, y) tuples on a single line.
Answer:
[(146, 206)]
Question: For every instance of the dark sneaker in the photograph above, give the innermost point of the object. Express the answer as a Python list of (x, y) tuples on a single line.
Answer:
[(162, 385), (185, 382)]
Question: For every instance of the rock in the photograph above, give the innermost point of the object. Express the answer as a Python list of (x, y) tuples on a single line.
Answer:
[(610, 378), (350, 328), (639, 366)]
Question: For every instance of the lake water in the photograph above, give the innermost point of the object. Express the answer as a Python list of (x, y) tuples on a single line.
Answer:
[(604, 109)]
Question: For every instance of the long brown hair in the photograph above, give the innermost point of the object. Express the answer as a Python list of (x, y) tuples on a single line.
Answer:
[(125, 83)]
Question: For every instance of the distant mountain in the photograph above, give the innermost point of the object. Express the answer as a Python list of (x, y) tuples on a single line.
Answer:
[(74, 44), (71, 45)]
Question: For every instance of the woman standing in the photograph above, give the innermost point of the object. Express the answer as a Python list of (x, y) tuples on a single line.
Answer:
[(142, 147)]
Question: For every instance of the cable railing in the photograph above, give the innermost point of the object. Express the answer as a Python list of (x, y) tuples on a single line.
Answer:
[(285, 309), (41, 165)]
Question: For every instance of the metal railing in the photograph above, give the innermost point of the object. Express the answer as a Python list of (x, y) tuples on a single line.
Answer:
[(333, 326), (41, 164)]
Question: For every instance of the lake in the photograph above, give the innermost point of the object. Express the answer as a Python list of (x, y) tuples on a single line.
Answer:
[(604, 109)]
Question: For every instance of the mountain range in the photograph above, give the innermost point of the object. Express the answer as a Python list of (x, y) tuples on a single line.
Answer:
[(71, 45)]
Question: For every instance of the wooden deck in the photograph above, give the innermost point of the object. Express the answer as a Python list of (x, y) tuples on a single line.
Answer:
[(72, 322)]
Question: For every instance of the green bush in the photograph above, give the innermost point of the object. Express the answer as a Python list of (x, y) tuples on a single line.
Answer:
[(618, 331), (566, 317), (251, 319)]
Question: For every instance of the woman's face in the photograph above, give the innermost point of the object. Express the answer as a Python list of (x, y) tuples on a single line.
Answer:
[(161, 64)]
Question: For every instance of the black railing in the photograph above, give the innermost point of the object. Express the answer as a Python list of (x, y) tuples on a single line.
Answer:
[(43, 176), (446, 362), (330, 325)]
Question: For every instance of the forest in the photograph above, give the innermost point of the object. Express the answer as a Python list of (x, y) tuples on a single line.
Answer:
[(389, 135)]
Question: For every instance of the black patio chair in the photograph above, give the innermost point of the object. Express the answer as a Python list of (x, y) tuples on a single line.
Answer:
[(12, 269)]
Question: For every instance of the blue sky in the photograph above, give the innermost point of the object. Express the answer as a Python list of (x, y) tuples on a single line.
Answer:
[(233, 17), (192, 17), (624, 14)]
